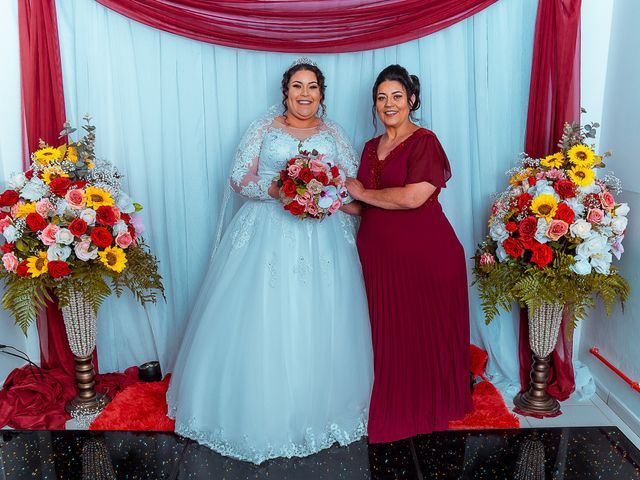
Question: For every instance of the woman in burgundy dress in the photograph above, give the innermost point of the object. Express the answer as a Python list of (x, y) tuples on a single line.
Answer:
[(414, 272)]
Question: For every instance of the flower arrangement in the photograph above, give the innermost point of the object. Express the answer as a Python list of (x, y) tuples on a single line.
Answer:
[(553, 233), (311, 187), (67, 222)]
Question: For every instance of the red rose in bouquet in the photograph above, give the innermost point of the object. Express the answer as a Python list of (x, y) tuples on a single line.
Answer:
[(524, 201), (7, 247), (305, 175), (22, 270), (527, 228), (60, 186), (36, 222), (295, 208), (78, 227), (101, 237), (565, 213), (289, 188), (58, 268), (511, 227), (541, 254), (9, 198), (565, 188), (106, 215), (513, 247)]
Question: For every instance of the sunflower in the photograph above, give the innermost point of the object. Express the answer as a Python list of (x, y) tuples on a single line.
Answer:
[(51, 173), (544, 206), (44, 156), (96, 197), (517, 179), (582, 176), (25, 209), (553, 161), (72, 154), (36, 266), (113, 258), (582, 156)]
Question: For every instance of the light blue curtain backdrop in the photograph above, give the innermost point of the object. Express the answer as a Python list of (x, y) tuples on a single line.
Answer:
[(170, 112)]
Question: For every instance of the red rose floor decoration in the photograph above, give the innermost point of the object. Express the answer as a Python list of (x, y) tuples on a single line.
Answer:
[(142, 406)]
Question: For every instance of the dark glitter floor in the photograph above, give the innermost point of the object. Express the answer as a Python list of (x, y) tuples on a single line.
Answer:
[(533, 454)]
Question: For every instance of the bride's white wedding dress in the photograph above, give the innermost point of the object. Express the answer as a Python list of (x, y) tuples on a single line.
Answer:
[(276, 360)]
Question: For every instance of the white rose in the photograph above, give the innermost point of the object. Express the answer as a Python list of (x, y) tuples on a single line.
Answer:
[(622, 209), (18, 181), (576, 205), (592, 245), (601, 262), (501, 253), (582, 266), (64, 236), (541, 189), (83, 251), (58, 252), (541, 231), (619, 224), (119, 227), (593, 188), (89, 216), (62, 207), (10, 233), (497, 231), (580, 228)]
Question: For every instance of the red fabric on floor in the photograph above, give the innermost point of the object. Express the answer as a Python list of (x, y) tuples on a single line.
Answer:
[(31, 400)]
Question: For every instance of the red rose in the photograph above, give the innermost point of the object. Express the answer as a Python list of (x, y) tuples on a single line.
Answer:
[(78, 227), (132, 232), (565, 188), (295, 208), (283, 175), (101, 237), (524, 201), (7, 247), (527, 228), (105, 215), (335, 172), (289, 188), (322, 178), (511, 227), (532, 181), (527, 242), (541, 254), (513, 247), (9, 198), (305, 175), (60, 186), (22, 269), (78, 184), (565, 213), (35, 222), (125, 217), (58, 268), (28, 174), (291, 161)]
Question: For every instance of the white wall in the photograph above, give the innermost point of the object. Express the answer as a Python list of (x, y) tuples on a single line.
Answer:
[(617, 336), (10, 161)]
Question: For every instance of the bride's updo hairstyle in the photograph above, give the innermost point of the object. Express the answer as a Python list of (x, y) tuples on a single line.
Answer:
[(411, 84), (303, 64)]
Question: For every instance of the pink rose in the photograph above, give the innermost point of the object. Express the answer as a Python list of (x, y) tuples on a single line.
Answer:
[(487, 259), (608, 202), (75, 199), (335, 206), (10, 262), (48, 235), (304, 199), (311, 209), (44, 207), (124, 239), (16, 207), (316, 166), (554, 174), (4, 223), (556, 229), (595, 215), (136, 221), (294, 170)]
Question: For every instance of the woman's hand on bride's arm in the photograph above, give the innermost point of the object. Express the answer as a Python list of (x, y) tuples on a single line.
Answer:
[(353, 208), (355, 188), (274, 191)]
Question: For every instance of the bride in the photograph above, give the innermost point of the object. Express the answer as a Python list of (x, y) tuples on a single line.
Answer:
[(276, 360)]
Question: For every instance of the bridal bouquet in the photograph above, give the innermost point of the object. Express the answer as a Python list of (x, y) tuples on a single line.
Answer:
[(311, 187), (554, 231), (66, 220)]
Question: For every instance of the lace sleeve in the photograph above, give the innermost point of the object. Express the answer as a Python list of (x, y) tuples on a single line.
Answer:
[(347, 157), (244, 177)]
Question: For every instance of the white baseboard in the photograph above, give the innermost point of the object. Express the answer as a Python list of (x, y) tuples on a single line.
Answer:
[(618, 407)]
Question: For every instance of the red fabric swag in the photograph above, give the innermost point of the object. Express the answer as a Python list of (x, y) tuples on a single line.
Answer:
[(554, 98), (309, 26)]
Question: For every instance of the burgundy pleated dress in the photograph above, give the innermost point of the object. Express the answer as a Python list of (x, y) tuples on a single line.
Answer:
[(416, 282)]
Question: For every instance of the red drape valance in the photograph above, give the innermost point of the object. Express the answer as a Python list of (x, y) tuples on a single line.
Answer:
[(306, 26)]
